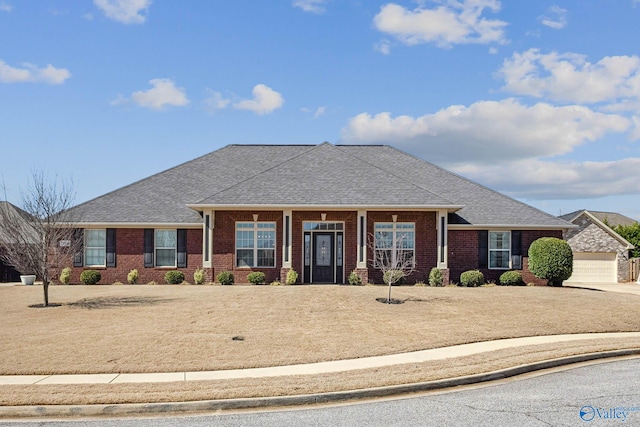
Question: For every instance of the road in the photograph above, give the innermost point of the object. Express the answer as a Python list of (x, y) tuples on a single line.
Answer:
[(604, 394)]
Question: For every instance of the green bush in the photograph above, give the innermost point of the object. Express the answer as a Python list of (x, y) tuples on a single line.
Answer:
[(472, 278), (225, 278), (392, 277), (435, 277), (355, 279), (256, 277), (65, 276), (133, 277), (292, 277), (174, 277), (90, 277), (199, 276), (511, 278), (551, 258)]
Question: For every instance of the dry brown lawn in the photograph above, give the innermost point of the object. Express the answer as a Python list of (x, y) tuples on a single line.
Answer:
[(98, 329)]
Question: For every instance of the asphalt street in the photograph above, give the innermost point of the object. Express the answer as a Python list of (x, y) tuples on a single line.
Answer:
[(603, 394)]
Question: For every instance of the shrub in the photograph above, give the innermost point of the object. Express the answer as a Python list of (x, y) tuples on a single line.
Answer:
[(225, 278), (199, 276), (292, 277), (355, 279), (90, 277), (472, 278), (256, 277), (174, 277), (551, 258), (275, 283), (392, 277), (511, 278), (133, 277), (435, 277), (65, 276)]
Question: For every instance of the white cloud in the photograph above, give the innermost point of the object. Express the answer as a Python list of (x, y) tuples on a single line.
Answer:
[(5, 7), (487, 131), (125, 11), (164, 92), (317, 112), (556, 18), (537, 179), (265, 100), (570, 77), (216, 101), (313, 6), (384, 47), (454, 22), (31, 73)]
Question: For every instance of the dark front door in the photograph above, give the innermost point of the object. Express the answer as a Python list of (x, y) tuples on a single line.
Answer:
[(323, 257)]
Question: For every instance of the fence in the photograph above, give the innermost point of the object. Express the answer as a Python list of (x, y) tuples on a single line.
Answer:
[(634, 269)]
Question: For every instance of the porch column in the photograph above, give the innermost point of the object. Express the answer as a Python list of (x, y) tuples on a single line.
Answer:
[(362, 240), (443, 229), (207, 238), (286, 239)]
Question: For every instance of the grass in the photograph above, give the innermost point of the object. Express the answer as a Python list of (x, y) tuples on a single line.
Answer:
[(98, 329)]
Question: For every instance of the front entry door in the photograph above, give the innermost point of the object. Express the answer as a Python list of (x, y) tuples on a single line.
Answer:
[(323, 258)]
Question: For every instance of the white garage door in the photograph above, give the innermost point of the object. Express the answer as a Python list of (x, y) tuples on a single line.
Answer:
[(596, 267)]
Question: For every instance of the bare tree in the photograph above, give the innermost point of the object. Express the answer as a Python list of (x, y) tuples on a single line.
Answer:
[(38, 237), (393, 255)]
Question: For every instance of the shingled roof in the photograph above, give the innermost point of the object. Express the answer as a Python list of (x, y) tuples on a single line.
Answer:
[(612, 219), (304, 177)]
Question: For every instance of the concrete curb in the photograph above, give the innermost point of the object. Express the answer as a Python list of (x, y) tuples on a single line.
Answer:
[(296, 400)]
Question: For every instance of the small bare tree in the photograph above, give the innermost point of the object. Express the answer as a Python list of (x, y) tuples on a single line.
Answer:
[(393, 254), (38, 236)]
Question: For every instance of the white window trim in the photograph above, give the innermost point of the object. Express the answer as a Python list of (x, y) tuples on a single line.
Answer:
[(489, 250), (255, 230), (156, 247), (85, 247), (395, 231)]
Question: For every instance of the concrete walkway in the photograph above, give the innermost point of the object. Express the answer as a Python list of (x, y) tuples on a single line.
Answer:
[(625, 288), (311, 368)]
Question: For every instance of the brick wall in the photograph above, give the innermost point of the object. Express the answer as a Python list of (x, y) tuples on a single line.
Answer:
[(129, 255), (463, 254)]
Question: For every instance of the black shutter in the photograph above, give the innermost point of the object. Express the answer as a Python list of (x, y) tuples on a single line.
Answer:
[(516, 242), (516, 249), (78, 258), (483, 249), (182, 248), (148, 247), (111, 247)]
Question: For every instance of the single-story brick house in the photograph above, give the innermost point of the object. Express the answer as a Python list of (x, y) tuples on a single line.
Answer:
[(311, 208), (599, 253)]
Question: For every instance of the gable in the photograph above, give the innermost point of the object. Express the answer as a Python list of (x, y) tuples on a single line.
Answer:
[(593, 236)]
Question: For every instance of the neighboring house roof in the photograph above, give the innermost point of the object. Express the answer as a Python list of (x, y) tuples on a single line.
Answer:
[(307, 177), (14, 212), (573, 217), (613, 219)]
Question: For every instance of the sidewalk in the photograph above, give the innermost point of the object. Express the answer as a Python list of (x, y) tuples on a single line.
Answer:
[(310, 368), (626, 288)]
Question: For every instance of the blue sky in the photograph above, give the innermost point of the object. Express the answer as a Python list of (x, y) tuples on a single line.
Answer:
[(537, 99)]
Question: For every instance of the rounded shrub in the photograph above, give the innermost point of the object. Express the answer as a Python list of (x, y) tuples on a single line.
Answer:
[(132, 277), (292, 277), (174, 277), (511, 278), (90, 277), (472, 278), (256, 277), (355, 279), (551, 258), (199, 276), (435, 277), (65, 276), (225, 278)]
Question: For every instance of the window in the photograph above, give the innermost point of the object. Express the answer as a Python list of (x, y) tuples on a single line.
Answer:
[(165, 248), (255, 244), (395, 244), (95, 248), (499, 249)]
